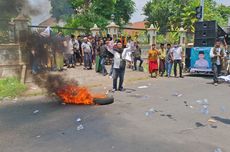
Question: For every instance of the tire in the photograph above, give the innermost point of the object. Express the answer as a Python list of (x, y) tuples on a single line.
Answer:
[(104, 101)]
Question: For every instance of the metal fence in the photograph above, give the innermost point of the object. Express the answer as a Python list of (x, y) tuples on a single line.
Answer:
[(56, 29)]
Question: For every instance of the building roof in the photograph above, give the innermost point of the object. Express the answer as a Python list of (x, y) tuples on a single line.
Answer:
[(138, 25), (49, 22)]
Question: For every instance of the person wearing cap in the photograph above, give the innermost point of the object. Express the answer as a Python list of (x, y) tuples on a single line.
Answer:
[(86, 52), (73, 46), (201, 63)]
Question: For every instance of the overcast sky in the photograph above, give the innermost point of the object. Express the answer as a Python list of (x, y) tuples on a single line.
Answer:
[(140, 3)]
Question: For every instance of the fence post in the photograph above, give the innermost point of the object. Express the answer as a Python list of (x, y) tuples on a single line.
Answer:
[(182, 32), (12, 36), (95, 30), (152, 31), (113, 29), (21, 28)]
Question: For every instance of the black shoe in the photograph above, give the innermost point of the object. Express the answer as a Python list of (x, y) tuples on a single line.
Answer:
[(121, 89), (105, 74), (181, 76)]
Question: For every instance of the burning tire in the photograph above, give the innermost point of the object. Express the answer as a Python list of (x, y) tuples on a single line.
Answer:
[(103, 101)]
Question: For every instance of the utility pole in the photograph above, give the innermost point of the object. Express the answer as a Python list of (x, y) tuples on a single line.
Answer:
[(202, 6)]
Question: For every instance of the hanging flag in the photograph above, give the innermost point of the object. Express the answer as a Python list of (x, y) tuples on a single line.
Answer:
[(46, 32)]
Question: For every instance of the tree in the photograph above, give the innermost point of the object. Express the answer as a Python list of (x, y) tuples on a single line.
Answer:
[(89, 12), (158, 13), (9, 9), (224, 11), (123, 11), (171, 14), (61, 9)]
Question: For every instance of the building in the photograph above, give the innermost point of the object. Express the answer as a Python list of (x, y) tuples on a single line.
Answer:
[(135, 28), (52, 22)]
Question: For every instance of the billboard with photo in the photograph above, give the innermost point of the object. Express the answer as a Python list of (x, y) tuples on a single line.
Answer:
[(200, 59)]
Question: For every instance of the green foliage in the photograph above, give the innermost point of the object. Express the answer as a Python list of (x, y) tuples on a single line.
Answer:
[(61, 9), (11, 87), (10, 8), (224, 11), (161, 38), (89, 12), (158, 13), (170, 14), (172, 37), (123, 11)]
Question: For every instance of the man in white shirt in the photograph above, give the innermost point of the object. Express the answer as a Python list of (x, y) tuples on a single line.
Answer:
[(73, 46), (177, 58), (217, 55), (118, 68), (70, 51)]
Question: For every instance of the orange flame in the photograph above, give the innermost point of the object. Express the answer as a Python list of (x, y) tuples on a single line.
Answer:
[(77, 95)]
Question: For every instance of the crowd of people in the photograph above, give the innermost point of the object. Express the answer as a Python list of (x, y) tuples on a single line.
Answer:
[(65, 52), (163, 59)]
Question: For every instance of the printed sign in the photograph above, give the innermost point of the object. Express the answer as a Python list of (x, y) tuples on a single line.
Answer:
[(200, 59)]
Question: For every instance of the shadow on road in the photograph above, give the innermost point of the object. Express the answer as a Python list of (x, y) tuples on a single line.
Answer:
[(37, 111), (223, 120), (209, 77)]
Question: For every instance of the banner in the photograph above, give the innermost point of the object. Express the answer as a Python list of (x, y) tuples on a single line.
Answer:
[(200, 59)]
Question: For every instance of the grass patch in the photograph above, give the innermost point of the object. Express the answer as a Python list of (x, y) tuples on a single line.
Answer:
[(11, 87)]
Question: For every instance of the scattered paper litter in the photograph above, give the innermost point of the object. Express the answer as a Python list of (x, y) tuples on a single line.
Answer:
[(217, 150), (211, 121), (80, 127), (78, 120), (142, 87), (177, 94), (36, 111), (225, 78)]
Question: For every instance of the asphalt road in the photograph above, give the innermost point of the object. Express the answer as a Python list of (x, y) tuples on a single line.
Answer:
[(176, 125)]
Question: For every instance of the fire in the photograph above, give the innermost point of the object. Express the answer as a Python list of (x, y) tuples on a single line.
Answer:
[(77, 95)]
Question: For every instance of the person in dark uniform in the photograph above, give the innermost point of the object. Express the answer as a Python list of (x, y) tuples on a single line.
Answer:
[(80, 50)]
